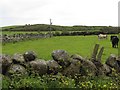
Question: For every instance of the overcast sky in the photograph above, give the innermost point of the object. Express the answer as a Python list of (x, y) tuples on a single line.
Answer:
[(62, 12)]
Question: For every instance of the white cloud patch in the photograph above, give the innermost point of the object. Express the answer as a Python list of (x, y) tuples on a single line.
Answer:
[(62, 12)]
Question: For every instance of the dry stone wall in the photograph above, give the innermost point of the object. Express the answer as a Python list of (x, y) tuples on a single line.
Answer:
[(21, 37), (68, 65)]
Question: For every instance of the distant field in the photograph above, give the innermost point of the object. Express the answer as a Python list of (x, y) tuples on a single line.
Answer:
[(14, 32), (72, 44), (23, 32)]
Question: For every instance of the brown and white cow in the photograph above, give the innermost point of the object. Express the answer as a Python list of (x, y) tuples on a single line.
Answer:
[(102, 36)]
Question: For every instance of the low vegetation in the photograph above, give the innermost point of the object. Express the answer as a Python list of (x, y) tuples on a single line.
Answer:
[(59, 81)]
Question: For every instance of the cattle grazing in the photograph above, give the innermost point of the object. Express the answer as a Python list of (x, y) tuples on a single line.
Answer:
[(111, 37), (102, 36), (114, 40)]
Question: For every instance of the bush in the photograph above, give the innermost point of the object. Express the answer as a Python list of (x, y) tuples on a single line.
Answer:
[(60, 81), (5, 82), (99, 83)]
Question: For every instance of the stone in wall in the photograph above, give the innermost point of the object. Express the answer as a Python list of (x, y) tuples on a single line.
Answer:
[(61, 57), (106, 69), (88, 68), (113, 62), (53, 67), (118, 60), (16, 69), (72, 69), (5, 61), (39, 66), (18, 59), (77, 57), (29, 56)]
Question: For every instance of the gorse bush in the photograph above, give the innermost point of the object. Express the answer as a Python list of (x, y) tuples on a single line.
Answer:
[(23, 82), (60, 81), (5, 82), (45, 81), (100, 82)]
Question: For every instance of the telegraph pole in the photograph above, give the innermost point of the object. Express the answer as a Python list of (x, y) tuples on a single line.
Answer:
[(50, 28)]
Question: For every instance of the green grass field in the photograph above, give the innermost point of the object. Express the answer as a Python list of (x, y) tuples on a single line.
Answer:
[(72, 44)]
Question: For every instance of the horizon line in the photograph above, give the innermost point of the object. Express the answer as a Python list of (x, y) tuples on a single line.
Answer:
[(55, 25)]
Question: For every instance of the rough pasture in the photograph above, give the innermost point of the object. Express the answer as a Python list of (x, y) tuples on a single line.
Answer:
[(73, 44)]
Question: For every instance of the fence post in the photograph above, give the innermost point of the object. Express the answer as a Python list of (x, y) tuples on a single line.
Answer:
[(95, 52), (100, 54)]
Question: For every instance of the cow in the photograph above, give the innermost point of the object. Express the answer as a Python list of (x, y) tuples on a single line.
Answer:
[(102, 36), (114, 40), (111, 37)]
